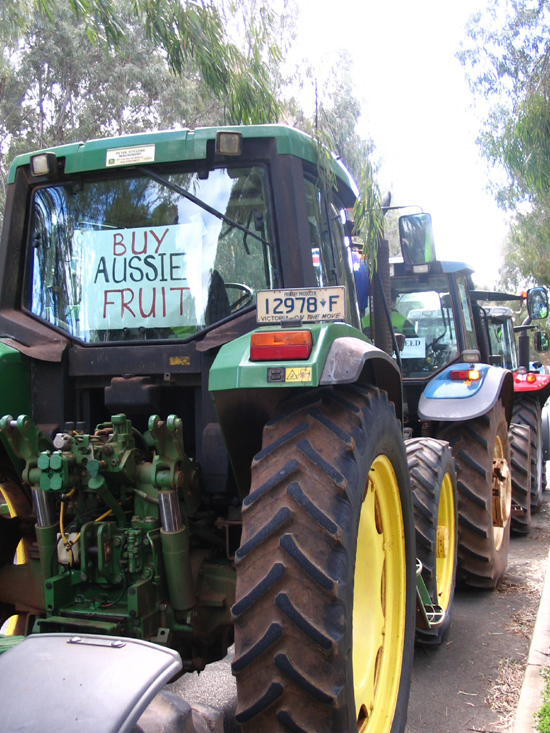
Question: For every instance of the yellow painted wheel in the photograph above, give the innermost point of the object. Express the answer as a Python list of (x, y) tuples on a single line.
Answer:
[(445, 556), (433, 482), (325, 596), (502, 493), (17, 505), (379, 601)]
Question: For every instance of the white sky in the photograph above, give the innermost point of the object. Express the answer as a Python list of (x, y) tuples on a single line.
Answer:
[(417, 109)]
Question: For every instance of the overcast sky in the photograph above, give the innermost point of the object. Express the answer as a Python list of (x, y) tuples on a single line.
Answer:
[(417, 109)]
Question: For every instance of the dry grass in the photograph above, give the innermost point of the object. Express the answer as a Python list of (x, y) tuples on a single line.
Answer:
[(523, 621), (503, 697)]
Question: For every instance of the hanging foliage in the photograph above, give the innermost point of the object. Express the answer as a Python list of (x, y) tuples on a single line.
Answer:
[(368, 215)]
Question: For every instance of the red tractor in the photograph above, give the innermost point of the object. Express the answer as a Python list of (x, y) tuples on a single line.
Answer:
[(509, 347)]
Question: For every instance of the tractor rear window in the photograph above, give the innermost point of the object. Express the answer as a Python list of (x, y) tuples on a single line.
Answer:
[(423, 312), (502, 341), (149, 257)]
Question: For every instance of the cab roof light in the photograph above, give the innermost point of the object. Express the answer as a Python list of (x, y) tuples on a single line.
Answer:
[(229, 143), (465, 375), (280, 345), (470, 356), (44, 164)]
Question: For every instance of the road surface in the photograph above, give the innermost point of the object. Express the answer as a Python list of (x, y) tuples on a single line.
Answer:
[(472, 682)]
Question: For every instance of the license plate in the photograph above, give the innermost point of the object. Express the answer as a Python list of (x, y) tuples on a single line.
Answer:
[(308, 306)]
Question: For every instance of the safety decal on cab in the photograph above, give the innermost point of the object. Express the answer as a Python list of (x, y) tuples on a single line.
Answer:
[(130, 156), (302, 374)]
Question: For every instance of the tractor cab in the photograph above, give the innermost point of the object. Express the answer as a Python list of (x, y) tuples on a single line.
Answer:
[(500, 328), (432, 299), (430, 329)]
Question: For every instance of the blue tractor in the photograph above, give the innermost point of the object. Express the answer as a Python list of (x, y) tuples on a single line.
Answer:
[(452, 392)]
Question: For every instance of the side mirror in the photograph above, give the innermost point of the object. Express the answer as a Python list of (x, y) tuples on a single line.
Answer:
[(417, 239), (537, 303), (542, 341)]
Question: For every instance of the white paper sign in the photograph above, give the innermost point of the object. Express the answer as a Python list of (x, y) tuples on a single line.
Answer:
[(415, 348), (136, 278)]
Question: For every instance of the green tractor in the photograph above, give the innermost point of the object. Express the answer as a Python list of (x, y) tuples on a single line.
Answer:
[(205, 276)]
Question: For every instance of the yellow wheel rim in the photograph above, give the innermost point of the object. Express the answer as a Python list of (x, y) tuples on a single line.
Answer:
[(502, 493), (446, 540), (20, 557), (379, 600)]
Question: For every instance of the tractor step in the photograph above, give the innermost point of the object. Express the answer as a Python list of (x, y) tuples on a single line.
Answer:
[(428, 614), (517, 511)]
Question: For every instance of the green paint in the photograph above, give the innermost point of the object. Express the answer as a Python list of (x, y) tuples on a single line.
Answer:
[(176, 145), (232, 368)]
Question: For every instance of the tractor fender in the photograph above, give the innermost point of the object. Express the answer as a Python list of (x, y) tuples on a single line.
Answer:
[(246, 393), (15, 395), (539, 388), (449, 400), (352, 360), (63, 665)]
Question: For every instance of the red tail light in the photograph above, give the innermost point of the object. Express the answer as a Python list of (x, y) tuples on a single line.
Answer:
[(280, 345), (466, 375)]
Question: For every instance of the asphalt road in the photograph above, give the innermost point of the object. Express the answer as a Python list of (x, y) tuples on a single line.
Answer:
[(473, 680)]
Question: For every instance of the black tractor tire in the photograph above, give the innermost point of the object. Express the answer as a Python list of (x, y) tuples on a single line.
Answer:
[(520, 455), (481, 450), (545, 418), (435, 501), (527, 411), (325, 596)]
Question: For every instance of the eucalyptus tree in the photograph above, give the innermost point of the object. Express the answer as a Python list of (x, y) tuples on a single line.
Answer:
[(78, 69), (189, 32), (60, 88), (333, 123), (507, 59)]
